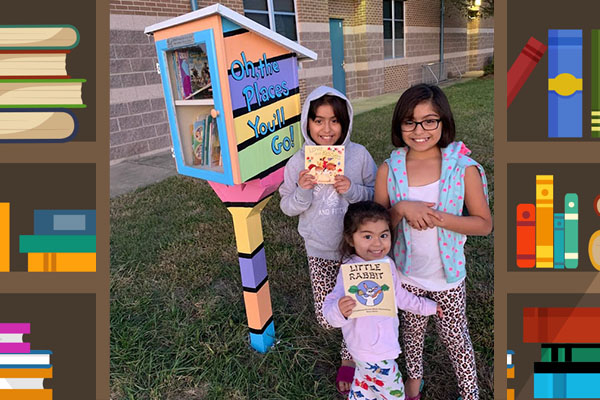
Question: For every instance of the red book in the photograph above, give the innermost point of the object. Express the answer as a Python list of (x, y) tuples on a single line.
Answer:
[(522, 67), (561, 325)]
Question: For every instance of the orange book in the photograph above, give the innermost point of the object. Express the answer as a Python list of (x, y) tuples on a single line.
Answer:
[(25, 373), (544, 221), (26, 394), (4, 237), (561, 325), (61, 262)]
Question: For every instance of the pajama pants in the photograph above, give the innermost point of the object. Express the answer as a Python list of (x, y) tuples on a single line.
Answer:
[(378, 380), (323, 274), (452, 330)]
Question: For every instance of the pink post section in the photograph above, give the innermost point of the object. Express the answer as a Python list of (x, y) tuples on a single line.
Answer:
[(250, 192)]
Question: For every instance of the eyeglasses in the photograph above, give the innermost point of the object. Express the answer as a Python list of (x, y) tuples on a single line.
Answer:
[(427, 125)]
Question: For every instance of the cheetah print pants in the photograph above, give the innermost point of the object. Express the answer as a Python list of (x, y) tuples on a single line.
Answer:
[(452, 330), (323, 274)]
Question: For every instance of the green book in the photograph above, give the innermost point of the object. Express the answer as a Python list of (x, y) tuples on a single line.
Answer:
[(57, 243)]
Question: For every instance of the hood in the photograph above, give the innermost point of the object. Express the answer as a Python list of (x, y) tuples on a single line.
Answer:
[(318, 93)]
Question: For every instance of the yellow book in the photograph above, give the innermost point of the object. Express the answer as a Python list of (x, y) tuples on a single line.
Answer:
[(544, 224), (26, 394), (4, 237), (61, 262)]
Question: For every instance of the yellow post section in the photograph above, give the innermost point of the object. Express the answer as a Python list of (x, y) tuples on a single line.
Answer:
[(258, 307), (247, 226), (4, 237)]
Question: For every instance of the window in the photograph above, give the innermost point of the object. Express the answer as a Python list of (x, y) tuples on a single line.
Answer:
[(277, 15), (393, 28)]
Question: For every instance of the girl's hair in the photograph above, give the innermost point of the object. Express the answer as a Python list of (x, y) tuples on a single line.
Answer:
[(340, 110), (414, 96), (356, 215)]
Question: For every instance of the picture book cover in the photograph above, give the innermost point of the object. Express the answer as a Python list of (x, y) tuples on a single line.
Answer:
[(199, 74), (324, 162), (372, 285), (198, 139)]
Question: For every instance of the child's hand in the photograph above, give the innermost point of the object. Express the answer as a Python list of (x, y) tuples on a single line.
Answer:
[(342, 184), (439, 311), (306, 180), (346, 304), (419, 214)]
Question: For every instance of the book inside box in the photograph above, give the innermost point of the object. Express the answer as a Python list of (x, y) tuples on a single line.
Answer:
[(190, 78)]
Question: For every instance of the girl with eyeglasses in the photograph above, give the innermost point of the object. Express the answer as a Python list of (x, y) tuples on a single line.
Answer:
[(428, 184)]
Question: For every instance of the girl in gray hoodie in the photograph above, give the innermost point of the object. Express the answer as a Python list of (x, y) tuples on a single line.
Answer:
[(327, 120)]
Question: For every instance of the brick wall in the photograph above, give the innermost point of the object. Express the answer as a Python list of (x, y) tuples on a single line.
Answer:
[(167, 8), (422, 12), (138, 122)]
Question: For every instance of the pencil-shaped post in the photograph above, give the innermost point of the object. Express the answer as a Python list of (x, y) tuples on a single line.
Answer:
[(4, 237), (544, 224), (253, 268), (245, 202)]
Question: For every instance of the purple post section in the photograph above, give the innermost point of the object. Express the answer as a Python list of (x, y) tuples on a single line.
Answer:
[(287, 74), (253, 270)]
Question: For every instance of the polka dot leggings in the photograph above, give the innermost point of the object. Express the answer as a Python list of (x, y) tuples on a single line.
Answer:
[(452, 330)]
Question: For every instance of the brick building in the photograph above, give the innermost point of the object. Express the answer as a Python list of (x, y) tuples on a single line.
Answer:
[(365, 48)]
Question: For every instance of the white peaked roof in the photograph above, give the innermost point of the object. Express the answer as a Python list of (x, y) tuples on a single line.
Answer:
[(242, 21)]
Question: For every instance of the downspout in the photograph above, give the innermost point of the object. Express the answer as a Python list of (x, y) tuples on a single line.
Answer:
[(195, 5), (442, 66)]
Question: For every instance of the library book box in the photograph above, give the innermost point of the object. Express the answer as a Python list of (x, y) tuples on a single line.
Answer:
[(233, 104)]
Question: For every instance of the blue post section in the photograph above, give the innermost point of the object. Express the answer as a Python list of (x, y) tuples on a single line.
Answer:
[(261, 342)]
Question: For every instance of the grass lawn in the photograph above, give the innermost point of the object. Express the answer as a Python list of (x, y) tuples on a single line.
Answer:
[(178, 324)]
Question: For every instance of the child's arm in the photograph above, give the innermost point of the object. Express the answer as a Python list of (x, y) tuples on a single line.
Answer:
[(354, 192), (419, 214), (479, 220), (294, 199), (336, 305)]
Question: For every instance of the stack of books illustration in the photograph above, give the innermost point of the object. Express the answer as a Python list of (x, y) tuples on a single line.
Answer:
[(62, 241), (570, 351), (22, 370), (546, 239), (36, 93)]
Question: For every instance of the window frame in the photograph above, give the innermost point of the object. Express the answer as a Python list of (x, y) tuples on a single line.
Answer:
[(393, 21), (270, 12)]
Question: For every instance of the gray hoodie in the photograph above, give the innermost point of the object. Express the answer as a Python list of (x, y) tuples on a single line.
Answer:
[(322, 209)]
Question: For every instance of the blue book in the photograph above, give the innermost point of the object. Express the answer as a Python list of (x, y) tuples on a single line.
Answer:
[(566, 385), (64, 222), (565, 84)]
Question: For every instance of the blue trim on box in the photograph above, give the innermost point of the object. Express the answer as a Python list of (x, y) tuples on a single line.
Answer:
[(261, 342), (229, 26), (225, 177)]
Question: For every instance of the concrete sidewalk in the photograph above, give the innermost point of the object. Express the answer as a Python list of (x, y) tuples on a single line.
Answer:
[(132, 174)]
